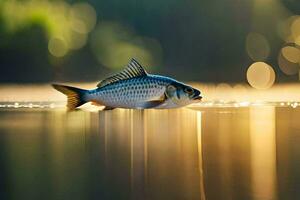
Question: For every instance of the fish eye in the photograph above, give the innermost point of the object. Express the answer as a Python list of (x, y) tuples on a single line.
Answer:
[(189, 90)]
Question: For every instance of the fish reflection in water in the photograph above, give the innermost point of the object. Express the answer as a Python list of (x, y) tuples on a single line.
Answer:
[(212, 153), (155, 149)]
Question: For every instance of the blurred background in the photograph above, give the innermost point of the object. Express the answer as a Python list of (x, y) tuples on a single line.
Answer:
[(232, 41), (240, 142)]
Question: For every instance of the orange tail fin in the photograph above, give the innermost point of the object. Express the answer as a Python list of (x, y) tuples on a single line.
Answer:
[(74, 95)]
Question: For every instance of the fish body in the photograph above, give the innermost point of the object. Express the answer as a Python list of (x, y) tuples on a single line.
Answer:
[(138, 92), (133, 88)]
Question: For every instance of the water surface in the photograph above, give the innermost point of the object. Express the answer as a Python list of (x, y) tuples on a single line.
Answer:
[(249, 152)]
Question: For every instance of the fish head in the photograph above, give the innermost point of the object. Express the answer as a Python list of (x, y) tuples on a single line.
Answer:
[(182, 94)]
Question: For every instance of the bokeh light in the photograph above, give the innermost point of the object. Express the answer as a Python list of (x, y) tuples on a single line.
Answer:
[(295, 29), (83, 18), (260, 75), (57, 47), (78, 40), (227, 90), (113, 44), (292, 54), (289, 29), (66, 25), (288, 60), (257, 46), (242, 91), (284, 29)]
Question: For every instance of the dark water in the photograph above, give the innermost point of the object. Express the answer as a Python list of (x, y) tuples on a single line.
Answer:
[(210, 153)]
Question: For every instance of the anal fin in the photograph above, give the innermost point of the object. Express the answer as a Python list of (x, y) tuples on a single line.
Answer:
[(95, 103), (108, 108)]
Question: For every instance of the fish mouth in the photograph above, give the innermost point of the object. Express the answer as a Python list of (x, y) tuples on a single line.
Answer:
[(198, 97)]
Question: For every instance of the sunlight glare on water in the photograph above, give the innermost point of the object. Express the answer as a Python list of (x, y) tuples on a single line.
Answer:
[(214, 95)]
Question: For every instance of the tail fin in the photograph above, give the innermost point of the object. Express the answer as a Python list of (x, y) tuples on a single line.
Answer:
[(75, 95)]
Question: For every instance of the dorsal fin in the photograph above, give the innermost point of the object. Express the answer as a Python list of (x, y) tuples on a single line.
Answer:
[(133, 69)]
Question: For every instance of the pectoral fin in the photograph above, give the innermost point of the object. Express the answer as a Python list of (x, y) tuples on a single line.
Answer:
[(149, 104)]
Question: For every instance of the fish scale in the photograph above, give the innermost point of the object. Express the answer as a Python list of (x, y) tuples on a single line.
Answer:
[(130, 92)]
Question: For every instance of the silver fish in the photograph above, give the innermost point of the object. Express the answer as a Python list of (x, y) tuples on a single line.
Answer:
[(133, 88)]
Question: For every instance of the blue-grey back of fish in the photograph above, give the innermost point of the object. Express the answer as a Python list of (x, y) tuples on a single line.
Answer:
[(133, 88)]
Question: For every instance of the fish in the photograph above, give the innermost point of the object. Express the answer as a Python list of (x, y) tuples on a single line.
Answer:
[(133, 88)]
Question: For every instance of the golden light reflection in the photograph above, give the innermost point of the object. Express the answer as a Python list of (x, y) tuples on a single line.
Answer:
[(242, 92), (57, 120), (215, 153), (240, 95), (172, 145), (137, 154), (257, 46), (260, 75), (228, 91), (200, 155), (263, 151)]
